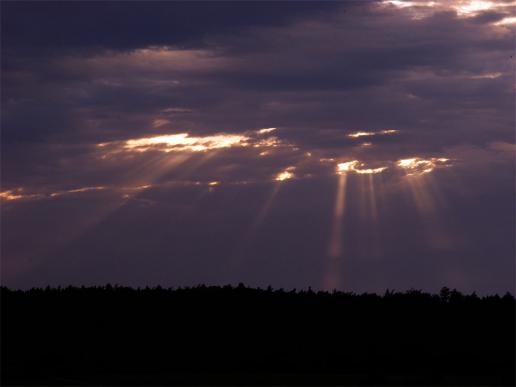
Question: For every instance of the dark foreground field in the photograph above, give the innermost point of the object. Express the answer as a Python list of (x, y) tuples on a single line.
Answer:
[(242, 336)]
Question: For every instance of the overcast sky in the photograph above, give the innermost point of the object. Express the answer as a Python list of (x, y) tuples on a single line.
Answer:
[(358, 145)]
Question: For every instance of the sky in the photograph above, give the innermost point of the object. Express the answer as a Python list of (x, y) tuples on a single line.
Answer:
[(353, 145)]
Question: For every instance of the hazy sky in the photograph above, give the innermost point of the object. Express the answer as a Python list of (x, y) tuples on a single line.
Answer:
[(355, 145)]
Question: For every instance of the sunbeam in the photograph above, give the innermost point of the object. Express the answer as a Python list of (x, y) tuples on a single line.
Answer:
[(371, 191), (332, 271), (266, 207), (335, 246), (429, 205)]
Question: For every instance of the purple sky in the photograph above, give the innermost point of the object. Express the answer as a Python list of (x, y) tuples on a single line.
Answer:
[(355, 145)]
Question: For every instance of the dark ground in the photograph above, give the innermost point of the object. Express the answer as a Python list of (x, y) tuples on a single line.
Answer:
[(242, 336)]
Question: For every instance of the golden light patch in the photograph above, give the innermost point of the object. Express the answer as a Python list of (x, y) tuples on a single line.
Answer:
[(269, 142), (184, 142), (286, 174), (506, 21), (474, 6), (419, 166), (347, 166), (11, 195), (86, 189), (370, 134), (360, 134), (266, 130), (369, 171), (463, 8), (388, 131), (357, 167), (77, 190), (18, 194)]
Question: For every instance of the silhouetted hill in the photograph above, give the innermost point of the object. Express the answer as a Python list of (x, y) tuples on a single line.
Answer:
[(242, 336)]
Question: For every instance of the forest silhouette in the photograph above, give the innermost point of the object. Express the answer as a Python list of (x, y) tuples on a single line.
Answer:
[(113, 335)]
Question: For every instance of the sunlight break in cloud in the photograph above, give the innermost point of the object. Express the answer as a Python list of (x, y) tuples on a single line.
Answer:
[(355, 166), (78, 190), (286, 174), (419, 166), (463, 8), (506, 21), (19, 193), (266, 130), (370, 134), (15, 195), (181, 142)]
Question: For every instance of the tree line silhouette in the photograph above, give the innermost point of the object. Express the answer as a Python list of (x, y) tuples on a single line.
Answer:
[(114, 335)]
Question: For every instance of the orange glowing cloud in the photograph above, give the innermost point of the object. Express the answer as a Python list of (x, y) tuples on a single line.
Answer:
[(357, 167), (11, 195), (184, 142), (286, 174), (78, 190), (419, 166), (19, 193), (266, 130), (463, 8), (370, 134)]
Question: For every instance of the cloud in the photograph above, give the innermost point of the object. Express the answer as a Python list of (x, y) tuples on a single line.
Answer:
[(128, 129), (41, 26)]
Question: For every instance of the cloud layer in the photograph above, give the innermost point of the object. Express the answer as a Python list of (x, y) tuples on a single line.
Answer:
[(197, 142)]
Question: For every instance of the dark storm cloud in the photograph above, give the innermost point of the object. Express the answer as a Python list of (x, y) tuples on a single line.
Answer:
[(75, 75), (359, 63), (57, 26)]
